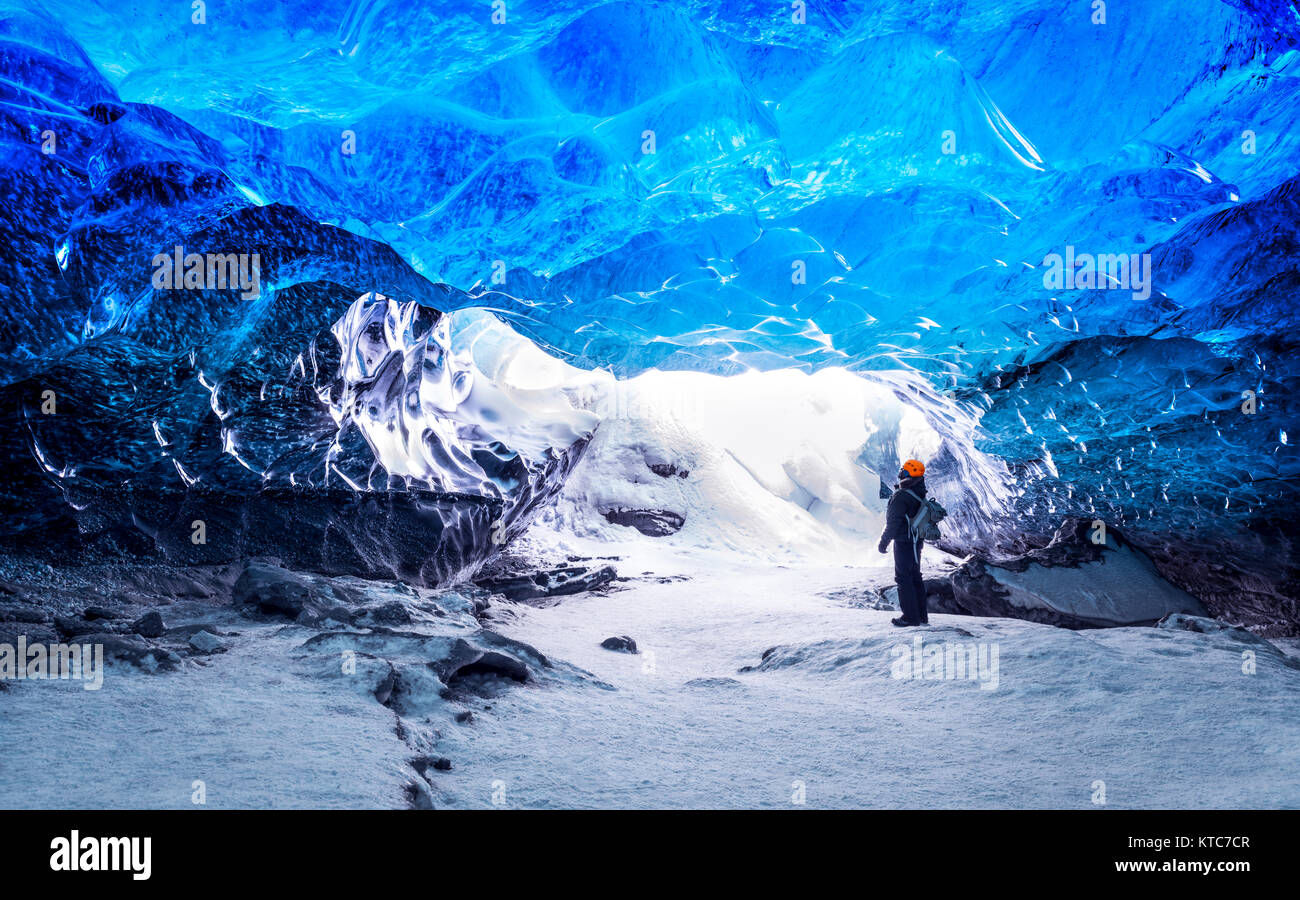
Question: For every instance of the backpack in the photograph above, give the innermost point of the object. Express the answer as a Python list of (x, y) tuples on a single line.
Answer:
[(924, 526)]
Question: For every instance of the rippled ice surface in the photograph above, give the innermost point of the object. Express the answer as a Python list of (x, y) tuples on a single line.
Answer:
[(901, 229)]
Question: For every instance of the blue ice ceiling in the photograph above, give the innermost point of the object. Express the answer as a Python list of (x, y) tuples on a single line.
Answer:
[(708, 186)]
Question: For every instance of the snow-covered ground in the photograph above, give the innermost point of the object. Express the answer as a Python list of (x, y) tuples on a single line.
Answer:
[(254, 725), (1161, 717)]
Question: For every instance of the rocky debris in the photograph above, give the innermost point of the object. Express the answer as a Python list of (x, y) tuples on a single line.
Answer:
[(559, 582), (417, 691), (23, 612), (320, 616), (884, 599), (714, 683), (650, 522), (467, 660), (575, 558), (35, 633), (428, 666), (1243, 636), (858, 597), (668, 470), (515, 648), (1206, 625), (423, 764), (106, 595), (384, 690), (92, 620), (169, 583), (272, 591), (149, 625), (133, 650), (71, 628), (206, 642), (1201, 625), (767, 654), (622, 644), (1072, 583), (391, 613), (418, 794), (939, 596), (464, 717)]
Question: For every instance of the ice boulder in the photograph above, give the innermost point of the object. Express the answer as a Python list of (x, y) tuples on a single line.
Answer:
[(1088, 576)]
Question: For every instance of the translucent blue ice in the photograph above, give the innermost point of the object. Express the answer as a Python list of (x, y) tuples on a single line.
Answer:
[(706, 186)]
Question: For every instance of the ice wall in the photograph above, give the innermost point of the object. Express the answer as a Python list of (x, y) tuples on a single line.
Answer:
[(636, 186)]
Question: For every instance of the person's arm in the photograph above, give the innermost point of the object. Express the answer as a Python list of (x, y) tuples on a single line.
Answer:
[(895, 521)]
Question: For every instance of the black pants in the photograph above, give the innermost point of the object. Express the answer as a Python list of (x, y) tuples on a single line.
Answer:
[(907, 574)]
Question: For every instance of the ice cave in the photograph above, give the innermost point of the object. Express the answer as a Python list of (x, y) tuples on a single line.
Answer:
[(552, 364)]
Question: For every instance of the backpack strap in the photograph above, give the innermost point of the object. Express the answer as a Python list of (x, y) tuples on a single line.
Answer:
[(922, 509)]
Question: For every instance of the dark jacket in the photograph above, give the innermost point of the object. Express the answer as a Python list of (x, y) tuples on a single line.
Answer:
[(902, 507)]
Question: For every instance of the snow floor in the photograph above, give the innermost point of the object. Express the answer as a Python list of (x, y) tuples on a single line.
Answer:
[(256, 726), (1163, 718)]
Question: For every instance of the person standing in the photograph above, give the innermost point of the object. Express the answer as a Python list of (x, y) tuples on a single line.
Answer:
[(904, 504)]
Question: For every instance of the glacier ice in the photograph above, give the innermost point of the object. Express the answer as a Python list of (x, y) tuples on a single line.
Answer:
[(429, 415), (534, 213)]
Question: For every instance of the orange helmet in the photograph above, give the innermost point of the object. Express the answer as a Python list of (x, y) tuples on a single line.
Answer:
[(914, 467)]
